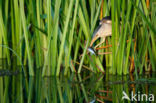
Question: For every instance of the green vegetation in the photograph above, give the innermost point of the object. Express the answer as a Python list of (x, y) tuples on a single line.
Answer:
[(55, 35), (75, 88)]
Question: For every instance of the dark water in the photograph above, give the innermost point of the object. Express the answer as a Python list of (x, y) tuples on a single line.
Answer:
[(84, 88)]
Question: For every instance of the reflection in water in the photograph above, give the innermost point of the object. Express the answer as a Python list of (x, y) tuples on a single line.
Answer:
[(84, 88)]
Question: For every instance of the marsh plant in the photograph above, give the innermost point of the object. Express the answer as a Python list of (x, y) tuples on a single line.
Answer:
[(55, 35)]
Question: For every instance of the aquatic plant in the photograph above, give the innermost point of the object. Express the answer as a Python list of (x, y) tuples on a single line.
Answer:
[(56, 34)]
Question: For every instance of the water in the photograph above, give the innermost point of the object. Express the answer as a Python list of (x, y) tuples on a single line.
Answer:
[(84, 88)]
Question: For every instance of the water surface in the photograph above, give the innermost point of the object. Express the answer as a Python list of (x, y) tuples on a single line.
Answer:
[(84, 88)]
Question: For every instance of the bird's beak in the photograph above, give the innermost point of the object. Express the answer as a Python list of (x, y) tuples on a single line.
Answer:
[(93, 40)]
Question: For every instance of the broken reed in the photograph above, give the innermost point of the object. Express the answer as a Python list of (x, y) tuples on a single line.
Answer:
[(53, 33)]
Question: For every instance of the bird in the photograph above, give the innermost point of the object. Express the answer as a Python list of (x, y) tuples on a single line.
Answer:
[(103, 30)]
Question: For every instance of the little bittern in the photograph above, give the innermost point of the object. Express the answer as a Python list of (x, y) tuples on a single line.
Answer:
[(102, 31)]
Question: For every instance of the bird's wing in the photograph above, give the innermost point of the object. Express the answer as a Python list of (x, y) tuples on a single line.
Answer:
[(96, 30)]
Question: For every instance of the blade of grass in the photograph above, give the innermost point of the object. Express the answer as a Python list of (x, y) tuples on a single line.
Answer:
[(92, 8), (59, 91), (124, 39), (6, 11), (113, 36), (145, 19), (64, 37), (129, 44), (151, 57), (116, 37), (100, 66), (153, 20), (34, 6), (71, 37), (1, 47), (83, 23), (84, 9), (30, 91), (31, 71), (1, 90), (4, 34), (144, 7), (83, 56), (54, 47), (121, 34), (77, 45), (49, 27), (96, 17), (143, 49), (1, 79), (83, 88), (13, 26), (18, 25)]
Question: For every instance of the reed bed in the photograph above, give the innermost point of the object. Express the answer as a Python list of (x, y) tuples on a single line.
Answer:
[(55, 34)]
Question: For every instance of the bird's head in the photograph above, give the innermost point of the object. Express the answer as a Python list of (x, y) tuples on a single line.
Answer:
[(106, 19)]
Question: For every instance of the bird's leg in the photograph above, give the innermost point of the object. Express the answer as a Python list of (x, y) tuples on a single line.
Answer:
[(103, 40)]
